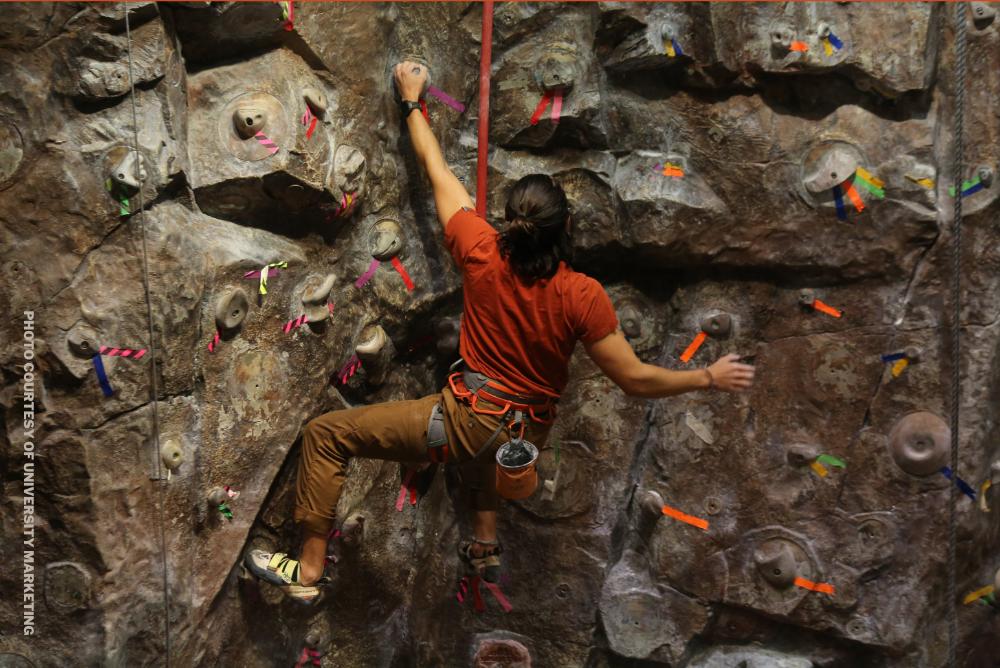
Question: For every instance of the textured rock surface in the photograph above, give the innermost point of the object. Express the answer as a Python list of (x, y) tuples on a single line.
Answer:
[(597, 575)]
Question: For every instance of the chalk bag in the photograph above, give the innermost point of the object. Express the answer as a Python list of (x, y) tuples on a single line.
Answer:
[(517, 477)]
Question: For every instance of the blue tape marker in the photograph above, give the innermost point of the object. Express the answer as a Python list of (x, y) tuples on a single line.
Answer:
[(838, 201), (962, 485), (837, 44), (677, 47), (893, 357), (102, 377), (973, 189)]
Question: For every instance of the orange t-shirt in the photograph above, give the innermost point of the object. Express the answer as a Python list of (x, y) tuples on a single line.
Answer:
[(519, 334)]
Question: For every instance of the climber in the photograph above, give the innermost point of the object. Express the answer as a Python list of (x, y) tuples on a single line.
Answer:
[(524, 311)]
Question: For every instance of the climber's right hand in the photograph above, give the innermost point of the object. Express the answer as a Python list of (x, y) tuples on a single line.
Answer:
[(410, 79), (729, 375)]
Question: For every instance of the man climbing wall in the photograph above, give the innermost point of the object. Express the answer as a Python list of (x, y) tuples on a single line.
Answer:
[(524, 311)]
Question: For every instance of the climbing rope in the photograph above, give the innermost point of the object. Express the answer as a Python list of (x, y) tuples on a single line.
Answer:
[(141, 218), (958, 169)]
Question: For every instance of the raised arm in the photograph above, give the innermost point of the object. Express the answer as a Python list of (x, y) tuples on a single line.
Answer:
[(449, 193), (618, 361)]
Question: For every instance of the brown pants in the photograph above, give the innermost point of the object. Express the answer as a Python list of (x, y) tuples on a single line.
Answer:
[(396, 431)]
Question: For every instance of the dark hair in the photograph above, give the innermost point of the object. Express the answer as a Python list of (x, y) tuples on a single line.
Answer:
[(535, 239)]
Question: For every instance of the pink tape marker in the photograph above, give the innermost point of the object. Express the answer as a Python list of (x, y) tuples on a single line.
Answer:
[(263, 140), (271, 273), (122, 352), (367, 276), (403, 489), (295, 323), (498, 595), (557, 100), (447, 99), (214, 342), (349, 369)]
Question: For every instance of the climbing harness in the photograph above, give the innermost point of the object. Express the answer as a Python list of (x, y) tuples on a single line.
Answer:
[(956, 346), (140, 218), (473, 387)]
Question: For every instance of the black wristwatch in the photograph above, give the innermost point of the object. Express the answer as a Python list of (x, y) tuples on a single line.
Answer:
[(408, 107)]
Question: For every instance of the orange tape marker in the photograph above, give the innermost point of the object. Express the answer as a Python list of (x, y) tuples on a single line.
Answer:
[(693, 348), (853, 195), (799, 46), (684, 517), (826, 308), (821, 587)]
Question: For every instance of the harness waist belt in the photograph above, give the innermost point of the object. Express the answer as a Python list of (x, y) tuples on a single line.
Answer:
[(473, 386)]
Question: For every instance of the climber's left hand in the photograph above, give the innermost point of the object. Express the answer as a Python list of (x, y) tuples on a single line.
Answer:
[(410, 79)]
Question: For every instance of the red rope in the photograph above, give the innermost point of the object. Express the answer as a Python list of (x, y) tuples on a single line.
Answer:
[(485, 60)]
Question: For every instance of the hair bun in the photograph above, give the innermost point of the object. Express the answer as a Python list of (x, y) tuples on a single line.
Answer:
[(522, 225)]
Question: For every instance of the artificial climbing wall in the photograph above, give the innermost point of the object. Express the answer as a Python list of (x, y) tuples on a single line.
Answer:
[(771, 179)]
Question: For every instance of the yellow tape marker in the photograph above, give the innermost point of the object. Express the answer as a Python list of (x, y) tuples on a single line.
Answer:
[(874, 180), (819, 469), (983, 505), (827, 47), (978, 594), (668, 46), (899, 366), (923, 183)]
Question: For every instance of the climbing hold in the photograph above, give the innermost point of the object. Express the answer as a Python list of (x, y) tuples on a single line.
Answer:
[(776, 564), (699, 428), (556, 69), (386, 239), (919, 443), (782, 37), (315, 293), (11, 151), (129, 173), (718, 326), (985, 175), (230, 309), (316, 99), (348, 170), (217, 496), (801, 454), (912, 353), (631, 321), (67, 586), (82, 341), (806, 297), (651, 503), (171, 454), (371, 342), (834, 164), (983, 14), (248, 121)]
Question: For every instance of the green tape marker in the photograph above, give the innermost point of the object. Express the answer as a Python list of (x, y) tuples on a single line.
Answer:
[(965, 186), (870, 187), (830, 460)]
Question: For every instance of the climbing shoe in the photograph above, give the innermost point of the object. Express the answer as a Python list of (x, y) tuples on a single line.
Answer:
[(283, 572), (487, 565)]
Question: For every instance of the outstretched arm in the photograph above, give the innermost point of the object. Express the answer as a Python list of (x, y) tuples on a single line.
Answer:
[(618, 361), (449, 193)]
